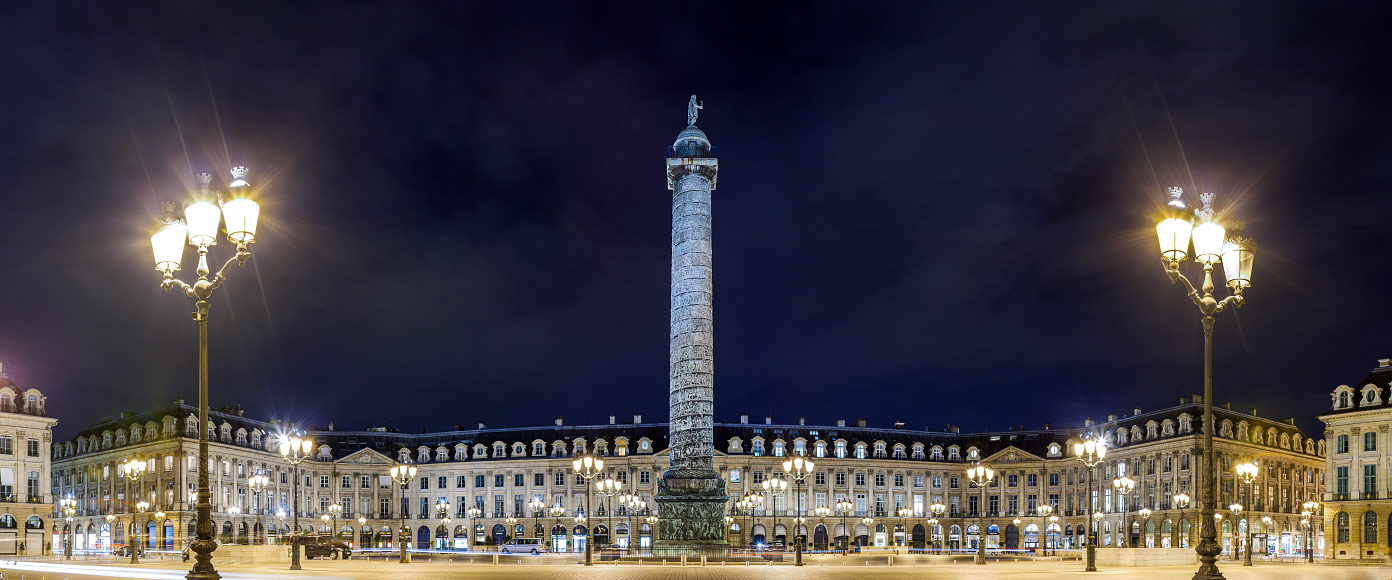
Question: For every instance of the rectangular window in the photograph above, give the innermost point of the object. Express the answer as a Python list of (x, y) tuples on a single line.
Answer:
[(879, 480), (1053, 480), (898, 480), (346, 483), (560, 479), (385, 506), (820, 479), (539, 479), (841, 478), (646, 477), (478, 481), (366, 482), (425, 483), (1369, 442), (498, 480), (324, 481), (34, 447), (1369, 479), (860, 479), (519, 479), (1341, 480), (1342, 442), (424, 508), (498, 505), (860, 503)]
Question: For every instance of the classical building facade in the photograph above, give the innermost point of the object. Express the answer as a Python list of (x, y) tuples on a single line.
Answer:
[(1358, 511), (878, 470), (26, 431)]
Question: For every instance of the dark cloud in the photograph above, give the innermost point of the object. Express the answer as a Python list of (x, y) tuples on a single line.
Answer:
[(926, 212)]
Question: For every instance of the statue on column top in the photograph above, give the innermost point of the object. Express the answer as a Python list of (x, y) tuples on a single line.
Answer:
[(691, 110)]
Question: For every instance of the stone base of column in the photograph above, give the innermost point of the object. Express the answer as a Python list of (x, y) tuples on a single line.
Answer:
[(691, 509)]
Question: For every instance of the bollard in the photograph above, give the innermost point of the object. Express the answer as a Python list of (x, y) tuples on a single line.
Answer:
[(703, 560), (683, 560), (495, 558)]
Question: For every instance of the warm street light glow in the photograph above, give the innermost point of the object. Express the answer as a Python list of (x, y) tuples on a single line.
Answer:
[(238, 210), (1208, 235), (168, 241)]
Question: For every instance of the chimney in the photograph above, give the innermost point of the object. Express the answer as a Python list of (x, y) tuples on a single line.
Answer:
[(1252, 411), (898, 424), (1288, 420), (1087, 422), (611, 419), (637, 419), (1196, 399), (1227, 406), (179, 401), (954, 428), (802, 420), (1046, 427), (331, 425), (1137, 412), (559, 422), (1382, 362), (1111, 417), (840, 422), (860, 422), (458, 427), (768, 420), (1184, 400), (482, 426), (744, 419)]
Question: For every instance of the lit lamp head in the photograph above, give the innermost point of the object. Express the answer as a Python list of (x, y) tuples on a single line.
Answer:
[(1236, 508), (202, 215), (1181, 500), (168, 240), (362, 520), (1209, 234), (239, 210), (1174, 229), (1239, 252), (1145, 513), (1045, 510)]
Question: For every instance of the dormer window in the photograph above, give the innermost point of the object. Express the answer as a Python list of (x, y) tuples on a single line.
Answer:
[(936, 454), (442, 454), (880, 449), (480, 452), (519, 450), (840, 449), (778, 448), (953, 454), (799, 447), (918, 451), (1345, 401), (971, 453), (1054, 450), (899, 452), (819, 449), (860, 452), (499, 450), (538, 449), (758, 448)]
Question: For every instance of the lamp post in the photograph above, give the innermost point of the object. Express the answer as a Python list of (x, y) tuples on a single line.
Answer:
[(556, 512), (1123, 486), (1236, 509), (1211, 246), (774, 487), (232, 512), (1053, 521), (1308, 512), (240, 213), (280, 519), (69, 507), (1044, 510), (111, 529), (537, 506), (473, 513), (937, 509), (1181, 501), (335, 510), (134, 469), (609, 487), (586, 467), (294, 450), (257, 483), (980, 476), (822, 512), (869, 526), (362, 523), (442, 512), (1090, 451), (844, 506), (1247, 473), (403, 474), (755, 502), (1144, 515), (798, 468), (140, 508), (904, 513)]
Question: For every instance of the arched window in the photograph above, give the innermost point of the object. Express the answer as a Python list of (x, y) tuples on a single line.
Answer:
[(1345, 400), (840, 449), (1341, 528), (1370, 527), (820, 449)]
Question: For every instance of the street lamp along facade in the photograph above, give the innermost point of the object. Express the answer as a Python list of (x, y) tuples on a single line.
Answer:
[(403, 474), (1212, 244), (587, 467), (293, 450), (981, 476), (240, 212), (1090, 450)]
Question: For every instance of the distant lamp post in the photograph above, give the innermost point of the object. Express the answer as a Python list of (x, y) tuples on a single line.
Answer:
[(1090, 451), (1247, 473), (362, 523), (280, 520), (586, 467), (869, 526), (556, 511), (110, 526), (134, 469), (774, 488), (403, 474), (1212, 245), (473, 514), (294, 450), (904, 513), (140, 508), (798, 468), (69, 507), (536, 506), (1308, 512), (1044, 510), (1181, 501), (240, 212), (981, 476), (335, 510), (609, 487), (937, 509), (442, 511), (1123, 486), (1145, 517), (844, 506), (257, 483), (1236, 509)]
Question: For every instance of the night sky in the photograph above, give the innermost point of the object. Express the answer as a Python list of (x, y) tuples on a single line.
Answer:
[(926, 212)]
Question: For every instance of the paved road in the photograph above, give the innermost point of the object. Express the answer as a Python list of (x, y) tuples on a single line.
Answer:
[(821, 569)]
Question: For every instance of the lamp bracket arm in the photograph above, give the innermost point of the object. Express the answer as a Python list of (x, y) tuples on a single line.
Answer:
[(239, 259), (1236, 300), (170, 283)]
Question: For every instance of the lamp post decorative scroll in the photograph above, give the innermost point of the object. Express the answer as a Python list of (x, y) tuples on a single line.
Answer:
[(238, 210), (1211, 245)]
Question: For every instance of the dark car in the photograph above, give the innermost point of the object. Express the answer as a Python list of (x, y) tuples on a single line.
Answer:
[(324, 546)]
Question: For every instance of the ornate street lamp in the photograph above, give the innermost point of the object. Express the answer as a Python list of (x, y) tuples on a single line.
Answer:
[(1309, 508), (403, 474), (904, 513), (1236, 252), (844, 506), (556, 511), (362, 522), (609, 487), (869, 526), (537, 507), (774, 488), (1123, 486), (280, 519), (1090, 451), (240, 213), (1181, 501), (586, 467), (294, 450), (1247, 473), (798, 468), (980, 476), (937, 509), (335, 510), (1145, 517), (134, 469), (257, 483), (473, 513), (140, 508), (1236, 509), (69, 507), (1044, 510), (110, 526)]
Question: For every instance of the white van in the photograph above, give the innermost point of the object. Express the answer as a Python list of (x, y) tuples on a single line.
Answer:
[(524, 546)]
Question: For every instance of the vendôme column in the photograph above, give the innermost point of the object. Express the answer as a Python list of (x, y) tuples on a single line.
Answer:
[(691, 495)]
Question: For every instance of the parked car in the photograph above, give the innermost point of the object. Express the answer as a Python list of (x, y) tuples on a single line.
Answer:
[(524, 546), (325, 546)]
